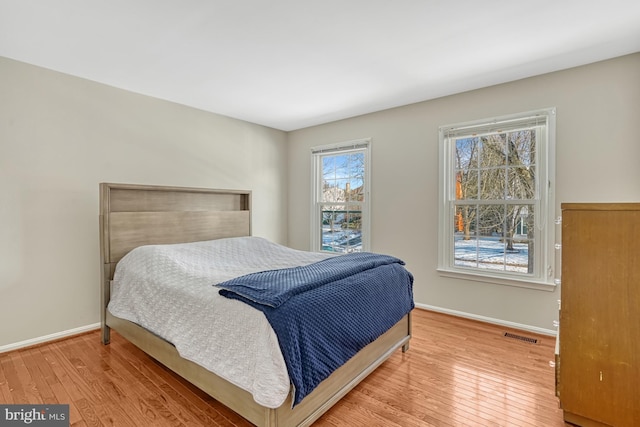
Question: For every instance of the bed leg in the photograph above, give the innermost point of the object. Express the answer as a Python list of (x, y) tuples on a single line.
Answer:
[(405, 347), (106, 334)]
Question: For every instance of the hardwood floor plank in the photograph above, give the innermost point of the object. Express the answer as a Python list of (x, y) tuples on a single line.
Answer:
[(15, 383), (28, 382), (63, 397), (458, 372), (5, 390), (89, 416), (123, 400), (435, 411), (60, 383), (32, 360), (151, 400), (190, 410)]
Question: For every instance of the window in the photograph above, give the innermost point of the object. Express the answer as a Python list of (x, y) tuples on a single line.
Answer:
[(497, 204), (340, 211)]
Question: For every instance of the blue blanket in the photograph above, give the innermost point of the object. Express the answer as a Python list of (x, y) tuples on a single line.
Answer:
[(324, 313)]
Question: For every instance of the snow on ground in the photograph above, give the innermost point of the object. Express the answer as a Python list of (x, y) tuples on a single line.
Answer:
[(489, 253)]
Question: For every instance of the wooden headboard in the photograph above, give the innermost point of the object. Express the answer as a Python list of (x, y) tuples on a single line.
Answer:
[(136, 215)]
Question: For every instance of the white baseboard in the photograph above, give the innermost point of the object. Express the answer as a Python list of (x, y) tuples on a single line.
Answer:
[(500, 322), (47, 338), (87, 328)]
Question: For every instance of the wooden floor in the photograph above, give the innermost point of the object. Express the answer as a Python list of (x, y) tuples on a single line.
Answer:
[(457, 373)]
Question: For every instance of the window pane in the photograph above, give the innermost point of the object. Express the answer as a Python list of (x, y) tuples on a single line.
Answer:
[(343, 177), (491, 242), (355, 191), (492, 184), (493, 150), (490, 220), (494, 237), (342, 228), (331, 192), (356, 163), (352, 240), (466, 168), (467, 153), (331, 228), (465, 239), (522, 148), (328, 168), (343, 185), (521, 183), (467, 184), (342, 165), (520, 239)]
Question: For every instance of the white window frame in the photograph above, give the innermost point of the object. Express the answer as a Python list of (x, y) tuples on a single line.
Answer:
[(544, 238), (317, 153)]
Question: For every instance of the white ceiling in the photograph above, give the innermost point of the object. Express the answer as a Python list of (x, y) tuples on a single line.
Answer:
[(290, 64)]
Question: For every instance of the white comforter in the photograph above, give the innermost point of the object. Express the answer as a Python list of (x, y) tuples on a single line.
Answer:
[(168, 289)]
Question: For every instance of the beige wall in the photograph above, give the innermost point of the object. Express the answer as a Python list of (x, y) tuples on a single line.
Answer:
[(59, 137), (598, 147)]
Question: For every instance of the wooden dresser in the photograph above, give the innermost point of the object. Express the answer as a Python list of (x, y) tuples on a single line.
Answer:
[(598, 379)]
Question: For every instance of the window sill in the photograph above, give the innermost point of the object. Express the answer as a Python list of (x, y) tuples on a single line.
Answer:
[(499, 280)]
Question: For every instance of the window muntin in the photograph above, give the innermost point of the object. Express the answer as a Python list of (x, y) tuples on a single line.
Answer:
[(496, 189), (340, 205)]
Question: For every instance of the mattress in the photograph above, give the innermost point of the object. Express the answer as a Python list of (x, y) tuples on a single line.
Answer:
[(168, 289)]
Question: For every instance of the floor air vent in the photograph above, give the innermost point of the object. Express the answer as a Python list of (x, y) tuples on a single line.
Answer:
[(521, 338)]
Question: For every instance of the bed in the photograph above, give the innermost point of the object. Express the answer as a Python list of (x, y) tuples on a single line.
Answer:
[(138, 215)]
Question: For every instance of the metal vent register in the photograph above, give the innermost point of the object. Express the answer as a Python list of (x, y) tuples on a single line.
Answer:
[(521, 338)]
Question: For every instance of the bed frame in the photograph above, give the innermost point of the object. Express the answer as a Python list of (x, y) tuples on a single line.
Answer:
[(135, 215)]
